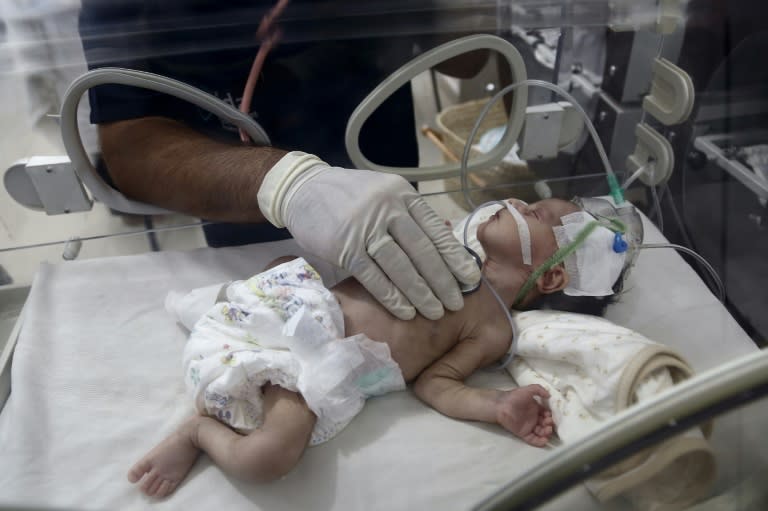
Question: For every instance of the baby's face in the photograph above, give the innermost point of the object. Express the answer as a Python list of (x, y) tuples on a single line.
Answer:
[(548, 211), (500, 238)]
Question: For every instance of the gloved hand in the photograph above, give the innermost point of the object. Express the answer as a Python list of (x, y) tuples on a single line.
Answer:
[(376, 226)]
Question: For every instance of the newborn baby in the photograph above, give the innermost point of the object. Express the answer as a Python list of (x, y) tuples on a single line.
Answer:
[(280, 362)]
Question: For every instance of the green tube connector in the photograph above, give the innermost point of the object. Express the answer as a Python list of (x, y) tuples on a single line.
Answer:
[(616, 193)]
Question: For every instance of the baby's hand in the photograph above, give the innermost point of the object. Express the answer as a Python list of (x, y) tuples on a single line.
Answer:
[(525, 413)]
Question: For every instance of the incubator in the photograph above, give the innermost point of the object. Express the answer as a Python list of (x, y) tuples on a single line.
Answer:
[(650, 115)]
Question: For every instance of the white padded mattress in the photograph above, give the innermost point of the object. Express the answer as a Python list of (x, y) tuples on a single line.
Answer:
[(96, 382)]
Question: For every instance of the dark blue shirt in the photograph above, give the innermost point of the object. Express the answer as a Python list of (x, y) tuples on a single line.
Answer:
[(310, 84)]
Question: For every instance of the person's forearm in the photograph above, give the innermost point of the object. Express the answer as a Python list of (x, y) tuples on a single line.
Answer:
[(163, 162), (455, 399)]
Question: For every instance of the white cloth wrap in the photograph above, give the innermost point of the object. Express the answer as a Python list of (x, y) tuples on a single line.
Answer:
[(579, 359), (594, 369), (283, 326)]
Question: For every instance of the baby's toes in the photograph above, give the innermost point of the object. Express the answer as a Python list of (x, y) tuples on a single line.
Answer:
[(165, 489), (149, 481), (153, 489)]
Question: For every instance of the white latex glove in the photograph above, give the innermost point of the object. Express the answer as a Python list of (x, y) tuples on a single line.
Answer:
[(376, 226)]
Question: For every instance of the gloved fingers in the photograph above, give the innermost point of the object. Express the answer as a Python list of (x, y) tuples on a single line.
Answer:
[(376, 282), (396, 264), (456, 257), (427, 261)]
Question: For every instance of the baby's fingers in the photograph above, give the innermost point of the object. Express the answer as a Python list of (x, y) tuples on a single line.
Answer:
[(543, 431), (536, 440)]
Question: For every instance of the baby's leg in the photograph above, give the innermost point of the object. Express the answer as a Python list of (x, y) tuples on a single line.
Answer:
[(265, 455), (525, 413), (271, 451)]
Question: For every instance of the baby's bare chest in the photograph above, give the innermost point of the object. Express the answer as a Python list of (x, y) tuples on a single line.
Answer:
[(414, 344)]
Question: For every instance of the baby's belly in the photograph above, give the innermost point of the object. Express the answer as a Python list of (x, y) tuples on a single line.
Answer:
[(414, 344)]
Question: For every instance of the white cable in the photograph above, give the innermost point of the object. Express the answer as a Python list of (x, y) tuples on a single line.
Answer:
[(700, 259), (471, 216), (528, 83), (657, 207), (676, 215), (513, 344), (105, 236), (424, 62), (631, 179)]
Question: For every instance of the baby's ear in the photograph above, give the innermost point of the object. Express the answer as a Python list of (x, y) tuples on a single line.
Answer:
[(553, 280)]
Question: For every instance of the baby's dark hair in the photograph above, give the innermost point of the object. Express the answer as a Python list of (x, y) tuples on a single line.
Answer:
[(593, 305)]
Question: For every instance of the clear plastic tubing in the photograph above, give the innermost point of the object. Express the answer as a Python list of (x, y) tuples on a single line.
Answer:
[(613, 183)]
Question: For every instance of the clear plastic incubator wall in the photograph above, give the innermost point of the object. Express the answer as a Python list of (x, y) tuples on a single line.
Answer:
[(660, 106)]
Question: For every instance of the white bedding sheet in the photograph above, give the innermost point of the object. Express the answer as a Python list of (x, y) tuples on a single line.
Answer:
[(97, 381)]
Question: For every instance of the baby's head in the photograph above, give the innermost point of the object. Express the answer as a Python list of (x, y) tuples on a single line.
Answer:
[(582, 278)]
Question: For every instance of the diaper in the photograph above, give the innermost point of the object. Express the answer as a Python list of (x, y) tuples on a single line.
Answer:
[(284, 327)]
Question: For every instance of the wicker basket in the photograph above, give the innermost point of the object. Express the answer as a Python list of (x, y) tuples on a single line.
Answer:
[(455, 124)]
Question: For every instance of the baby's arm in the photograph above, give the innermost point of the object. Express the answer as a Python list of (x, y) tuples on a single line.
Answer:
[(521, 411)]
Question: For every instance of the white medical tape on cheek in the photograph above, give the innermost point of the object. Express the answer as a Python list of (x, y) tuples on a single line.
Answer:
[(523, 232)]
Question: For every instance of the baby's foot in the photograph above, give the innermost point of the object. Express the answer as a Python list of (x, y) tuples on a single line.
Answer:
[(525, 413), (164, 467)]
